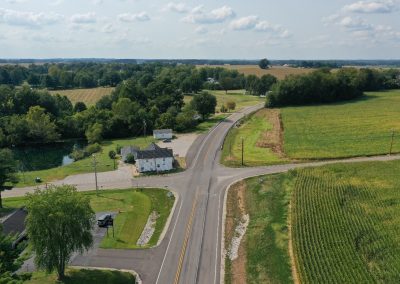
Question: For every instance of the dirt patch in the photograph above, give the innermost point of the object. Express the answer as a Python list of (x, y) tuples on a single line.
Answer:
[(295, 275), (272, 139), (236, 209)]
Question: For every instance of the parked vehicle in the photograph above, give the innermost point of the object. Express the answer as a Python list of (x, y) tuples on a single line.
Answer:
[(167, 140), (104, 220)]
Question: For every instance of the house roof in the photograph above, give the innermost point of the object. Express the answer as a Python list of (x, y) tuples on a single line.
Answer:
[(162, 131), (153, 152)]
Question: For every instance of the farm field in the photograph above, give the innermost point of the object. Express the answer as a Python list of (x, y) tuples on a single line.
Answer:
[(358, 128), (88, 96), (343, 225), (135, 207), (261, 135), (346, 225), (78, 276), (104, 163), (279, 72), (238, 96)]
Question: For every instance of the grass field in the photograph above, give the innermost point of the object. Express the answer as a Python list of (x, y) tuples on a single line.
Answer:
[(278, 71), (134, 206), (83, 166), (344, 220), (237, 96), (346, 224), (75, 276), (265, 244), (252, 130), (88, 96), (357, 128)]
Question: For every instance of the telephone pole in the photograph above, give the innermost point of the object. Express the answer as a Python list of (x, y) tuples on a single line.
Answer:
[(144, 128), (95, 173), (242, 151), (391, 143)]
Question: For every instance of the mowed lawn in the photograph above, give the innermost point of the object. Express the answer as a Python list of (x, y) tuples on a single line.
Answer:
[(104, 163), (238, 96), (134, 207), (88, 96), (75, 276), (358, 128)]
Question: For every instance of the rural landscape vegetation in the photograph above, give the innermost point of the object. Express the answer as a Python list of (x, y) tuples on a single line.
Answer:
[(284, 171)]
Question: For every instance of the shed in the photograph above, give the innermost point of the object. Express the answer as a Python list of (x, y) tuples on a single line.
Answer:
[(162, 134)]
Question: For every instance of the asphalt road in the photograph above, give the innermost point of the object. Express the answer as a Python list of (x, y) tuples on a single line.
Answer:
[(190, 251)]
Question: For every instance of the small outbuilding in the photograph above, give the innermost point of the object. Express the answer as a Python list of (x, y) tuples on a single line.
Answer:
[(162, 134)]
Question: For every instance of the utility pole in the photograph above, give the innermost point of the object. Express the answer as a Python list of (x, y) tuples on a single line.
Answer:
[(95, 173), (144, 128), (242, 151), (391, 143)]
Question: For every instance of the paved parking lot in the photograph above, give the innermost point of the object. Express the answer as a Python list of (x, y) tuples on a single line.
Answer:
[(181, 144)]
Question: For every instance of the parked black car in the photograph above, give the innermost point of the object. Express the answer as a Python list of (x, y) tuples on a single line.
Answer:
[(104, 220)]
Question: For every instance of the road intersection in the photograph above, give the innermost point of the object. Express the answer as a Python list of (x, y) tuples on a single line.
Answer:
[(191, 249)]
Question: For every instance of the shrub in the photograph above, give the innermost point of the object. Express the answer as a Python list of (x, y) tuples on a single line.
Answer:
[(130, 159), (93, 148)]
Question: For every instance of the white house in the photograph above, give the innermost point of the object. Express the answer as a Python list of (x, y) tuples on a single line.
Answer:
[(152, 159), (162, 134)]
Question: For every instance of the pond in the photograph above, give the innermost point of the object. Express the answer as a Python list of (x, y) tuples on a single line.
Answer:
[(42, 157)]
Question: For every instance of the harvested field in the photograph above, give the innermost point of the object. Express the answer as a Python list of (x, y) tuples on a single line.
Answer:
[(279, 72), (88, 96)]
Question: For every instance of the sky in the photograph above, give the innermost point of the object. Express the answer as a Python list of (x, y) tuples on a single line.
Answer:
[(205, 29)]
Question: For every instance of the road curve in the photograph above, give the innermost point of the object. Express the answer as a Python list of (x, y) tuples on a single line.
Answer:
[(190, 251)]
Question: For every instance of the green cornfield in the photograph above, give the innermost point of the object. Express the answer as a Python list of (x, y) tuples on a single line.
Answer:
[(346, 224)]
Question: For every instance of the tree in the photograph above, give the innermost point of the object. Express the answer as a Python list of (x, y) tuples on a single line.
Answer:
[(8, 168), (94, 134), (112, 156), (264, 63), (79, 107), (59, 223), (204, 103), (230, 105), (226, 83), (8, 259), (40, 128)]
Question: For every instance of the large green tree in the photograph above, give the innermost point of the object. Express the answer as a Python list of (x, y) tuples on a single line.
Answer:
[(59, 223), (204, 103), (8, 168), (8, 259), (40, 127), (264, 63)]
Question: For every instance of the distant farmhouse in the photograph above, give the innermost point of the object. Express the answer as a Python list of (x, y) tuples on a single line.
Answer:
[(162, 134), (151, 159)]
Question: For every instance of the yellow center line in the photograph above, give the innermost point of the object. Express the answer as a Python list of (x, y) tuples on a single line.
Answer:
[(184, 246)]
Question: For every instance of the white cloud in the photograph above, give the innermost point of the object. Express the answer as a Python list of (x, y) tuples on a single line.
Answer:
[(199, 16), (176, 7), (245, 23), (32, 19), (354, 24), (253, 23), (141, 17), (108, 29), (368, 7), (87, 18)]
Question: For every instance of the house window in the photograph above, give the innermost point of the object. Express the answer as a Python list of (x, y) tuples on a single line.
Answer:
[(158, 165), (142, 168), (163, 159), (147, 161)]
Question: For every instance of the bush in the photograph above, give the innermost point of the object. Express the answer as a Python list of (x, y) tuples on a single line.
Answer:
[(130, 159), (93, 148), (118, 149), (80, 154)]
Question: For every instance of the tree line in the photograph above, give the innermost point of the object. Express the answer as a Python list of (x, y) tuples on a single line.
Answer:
[(326, 86)]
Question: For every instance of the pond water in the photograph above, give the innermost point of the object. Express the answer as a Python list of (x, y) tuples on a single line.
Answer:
[(42, 157)]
